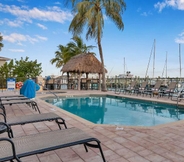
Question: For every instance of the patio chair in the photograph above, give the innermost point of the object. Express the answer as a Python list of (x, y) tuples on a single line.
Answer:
[(142, 88), (8, 96), (131, 88), (19, 147), (178, 95), (32, 103), (168, 91), (155, 90), (13, 98), (26, 119)]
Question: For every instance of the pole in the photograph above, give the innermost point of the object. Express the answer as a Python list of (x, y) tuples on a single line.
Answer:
[(124, 66), (180, 59), (154, 58), (166, 66)]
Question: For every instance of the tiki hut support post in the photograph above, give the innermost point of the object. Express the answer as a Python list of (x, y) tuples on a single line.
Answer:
[(68, 80), (99, 84), (79, 80), (87, 82)]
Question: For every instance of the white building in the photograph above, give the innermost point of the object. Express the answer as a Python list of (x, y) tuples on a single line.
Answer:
[(3, 60)]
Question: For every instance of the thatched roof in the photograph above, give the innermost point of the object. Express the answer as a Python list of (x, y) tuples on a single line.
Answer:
[(83, 63)]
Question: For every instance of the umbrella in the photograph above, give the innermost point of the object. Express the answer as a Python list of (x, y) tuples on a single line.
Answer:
[(29, 88)]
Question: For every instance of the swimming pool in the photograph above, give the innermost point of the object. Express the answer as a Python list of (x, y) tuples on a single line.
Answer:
[(119, 111)]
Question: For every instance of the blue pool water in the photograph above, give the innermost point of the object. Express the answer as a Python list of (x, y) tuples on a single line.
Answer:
[(119, 111)]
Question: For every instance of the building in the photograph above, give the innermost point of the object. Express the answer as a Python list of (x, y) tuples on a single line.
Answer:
[(3, 60)]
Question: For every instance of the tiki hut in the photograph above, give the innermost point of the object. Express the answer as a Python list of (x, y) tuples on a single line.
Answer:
[(83, 63)]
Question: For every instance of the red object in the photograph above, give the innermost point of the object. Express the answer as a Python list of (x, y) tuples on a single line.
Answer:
[(19, 85)]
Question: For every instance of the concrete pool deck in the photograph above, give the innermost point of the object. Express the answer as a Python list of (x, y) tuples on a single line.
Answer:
[(163, 143)]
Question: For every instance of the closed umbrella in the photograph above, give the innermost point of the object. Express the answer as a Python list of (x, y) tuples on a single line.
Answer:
[(29, 88)]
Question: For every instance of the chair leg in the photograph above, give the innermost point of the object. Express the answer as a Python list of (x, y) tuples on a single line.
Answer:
[(96, 146)]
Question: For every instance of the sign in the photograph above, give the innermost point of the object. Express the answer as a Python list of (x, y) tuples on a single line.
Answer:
[(11, 83)]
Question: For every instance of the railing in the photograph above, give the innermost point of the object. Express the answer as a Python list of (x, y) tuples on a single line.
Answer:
[(118, 83)]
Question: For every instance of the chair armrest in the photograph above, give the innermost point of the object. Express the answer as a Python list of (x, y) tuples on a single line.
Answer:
[(12, 146), (6, 125), (4, 116)]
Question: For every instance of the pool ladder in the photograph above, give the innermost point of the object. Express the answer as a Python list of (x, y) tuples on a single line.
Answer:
[(54, 94)]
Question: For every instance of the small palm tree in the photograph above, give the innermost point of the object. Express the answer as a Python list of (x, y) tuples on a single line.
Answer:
[(90, 14), (1, 44), (75, 47), (61, 56)]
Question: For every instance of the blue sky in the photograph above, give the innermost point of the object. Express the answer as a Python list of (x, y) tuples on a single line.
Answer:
[(35, 28)]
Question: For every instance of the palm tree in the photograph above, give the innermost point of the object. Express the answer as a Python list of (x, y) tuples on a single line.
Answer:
[(90, 14), (1, 39), (75, 47), (61, 56)]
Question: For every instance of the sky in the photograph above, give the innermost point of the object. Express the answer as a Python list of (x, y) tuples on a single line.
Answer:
[(35, 29)]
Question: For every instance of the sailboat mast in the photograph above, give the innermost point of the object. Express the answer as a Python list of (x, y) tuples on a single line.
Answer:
[(124, 66), (180, 59), (149, 60), (154, 58), (166, 66)]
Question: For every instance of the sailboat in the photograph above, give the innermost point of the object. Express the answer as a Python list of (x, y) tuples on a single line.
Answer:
[(152, 52)]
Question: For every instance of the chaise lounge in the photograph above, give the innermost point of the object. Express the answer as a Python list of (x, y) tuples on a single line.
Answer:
[(26, 119), (18, 147), (11, 102), (169, 91)]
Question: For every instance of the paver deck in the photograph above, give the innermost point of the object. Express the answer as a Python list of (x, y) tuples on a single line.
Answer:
[(164, 143)]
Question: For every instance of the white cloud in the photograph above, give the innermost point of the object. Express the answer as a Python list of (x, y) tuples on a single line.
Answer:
[(18, 38), (54, 14), (178, 4), (16, 50), (15, 23), (14, 37), (180, 38), (41, 26), (41, 38), (58, 3), (144, 14)]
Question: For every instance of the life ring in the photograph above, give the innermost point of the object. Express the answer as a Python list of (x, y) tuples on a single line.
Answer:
[(19, 85)]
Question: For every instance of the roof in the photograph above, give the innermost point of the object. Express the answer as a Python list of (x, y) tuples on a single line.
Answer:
[(4, 59), (83, 63)]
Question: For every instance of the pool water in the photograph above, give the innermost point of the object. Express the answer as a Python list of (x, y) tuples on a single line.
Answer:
[(119, 111)]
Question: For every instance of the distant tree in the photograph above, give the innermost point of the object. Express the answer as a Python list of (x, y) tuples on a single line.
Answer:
[(1, 44), (7, 69), (73, 48), (90, 14), (26, 68)]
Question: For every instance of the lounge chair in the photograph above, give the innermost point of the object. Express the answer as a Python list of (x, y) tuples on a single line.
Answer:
[(179, 94), (131, 88), (32, 103), (13, 98), (155, 90), (142, 88), (25, 119), (3, 96), (18, 147), (169, 91)]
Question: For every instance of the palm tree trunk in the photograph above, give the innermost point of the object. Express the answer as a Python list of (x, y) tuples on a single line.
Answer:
[(102, 61)]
